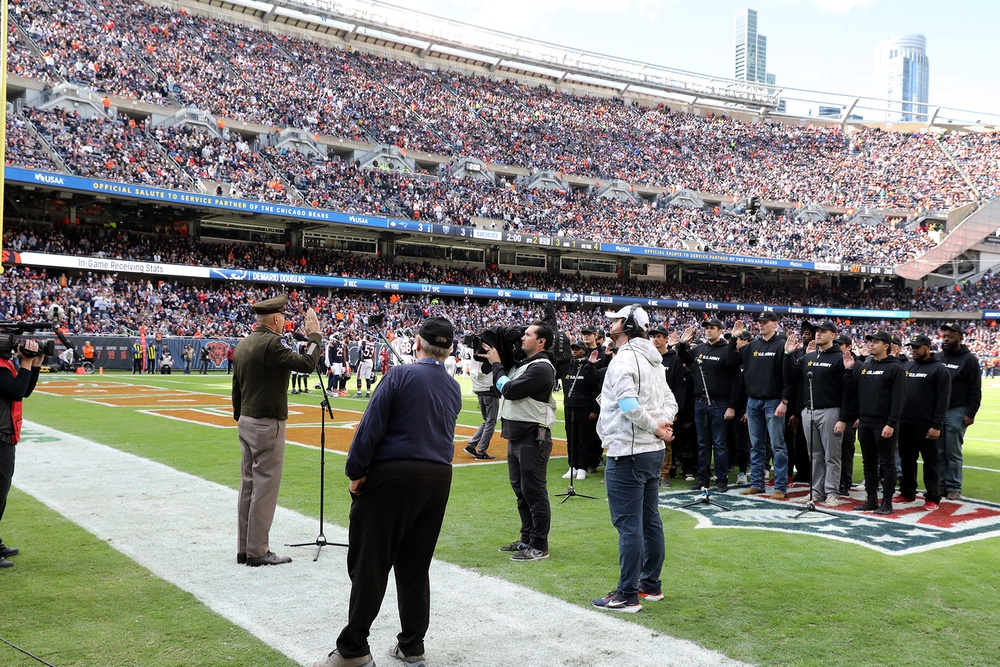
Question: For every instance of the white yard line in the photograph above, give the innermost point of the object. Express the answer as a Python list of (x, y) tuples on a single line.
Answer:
[(182, 528)]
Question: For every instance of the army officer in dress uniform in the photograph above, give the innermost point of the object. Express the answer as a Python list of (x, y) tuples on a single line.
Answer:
[(261, 366)]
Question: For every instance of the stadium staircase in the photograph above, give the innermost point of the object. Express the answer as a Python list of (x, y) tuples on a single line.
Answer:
[(32, 130), (979, 222)]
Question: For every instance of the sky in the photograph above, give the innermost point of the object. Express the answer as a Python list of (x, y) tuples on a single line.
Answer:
[(821, 45)]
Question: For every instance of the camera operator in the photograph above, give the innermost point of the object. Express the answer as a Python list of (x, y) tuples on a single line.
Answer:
[(528, 412), (16, 384), (489, 405)]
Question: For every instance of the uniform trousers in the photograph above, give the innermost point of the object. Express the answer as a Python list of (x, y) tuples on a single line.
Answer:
[(847, 458), (878, 452), (263, 445), (824, 448), (386, 534), (913, 442)]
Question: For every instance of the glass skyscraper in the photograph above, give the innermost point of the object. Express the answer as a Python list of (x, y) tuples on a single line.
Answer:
[(902, 73)]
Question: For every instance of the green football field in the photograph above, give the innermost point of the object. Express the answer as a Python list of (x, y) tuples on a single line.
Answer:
[(762, 597)]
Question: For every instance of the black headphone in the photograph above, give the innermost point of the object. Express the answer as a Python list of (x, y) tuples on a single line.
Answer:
[(630, 327)]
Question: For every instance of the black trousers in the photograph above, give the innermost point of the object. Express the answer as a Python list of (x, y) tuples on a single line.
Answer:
[(878, 452), (527, 464), (847, 458), (395, 523), (578, 427), (6, 472), (912, 443)]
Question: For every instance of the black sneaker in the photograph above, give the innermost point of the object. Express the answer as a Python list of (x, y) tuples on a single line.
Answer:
[(7, 552), (483, 456), (722, 487), (513, 547), (524, 555), (615, 601), (470, 450), (884, 509)]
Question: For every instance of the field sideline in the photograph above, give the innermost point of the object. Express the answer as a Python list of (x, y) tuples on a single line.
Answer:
[(759, 597)]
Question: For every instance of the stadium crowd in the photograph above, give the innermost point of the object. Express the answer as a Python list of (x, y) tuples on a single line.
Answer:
[(114, 304), (172, 248), (133, 50), (123, 149)]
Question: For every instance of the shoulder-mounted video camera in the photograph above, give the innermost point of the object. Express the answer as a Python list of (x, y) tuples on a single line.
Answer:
[(10, 342), (505, 340)]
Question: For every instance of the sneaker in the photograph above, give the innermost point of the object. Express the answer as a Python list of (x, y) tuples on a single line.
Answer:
[(930, 506), (769, 482), (470, 450), (332, 394), (618, 602), (650, 596), (741, 478), (295, 391), (357, 395), (900, 498), (368, 394), (664, 483), (688, 478), (513, 546), (337, 660), (415, 660), (344, 394), (697, 486), (483, 456), (722, 487), (833, 501), (569, 474), (884, 509), (524, 555), (581, 474), (750, 492), (778, 495), (954, 495)]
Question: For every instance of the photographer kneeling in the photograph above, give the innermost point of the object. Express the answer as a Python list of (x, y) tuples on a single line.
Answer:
[(528, 411), (16, 384), (637, 411)]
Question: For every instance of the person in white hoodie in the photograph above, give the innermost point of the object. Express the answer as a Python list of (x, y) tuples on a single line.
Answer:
[(637, 410)]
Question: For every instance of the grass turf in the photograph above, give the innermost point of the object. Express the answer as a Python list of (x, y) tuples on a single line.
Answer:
[(764, 597)]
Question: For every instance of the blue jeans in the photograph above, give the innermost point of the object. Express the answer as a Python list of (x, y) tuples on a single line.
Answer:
[(710, 422), (763, 423), (950, 449), (632, 483)]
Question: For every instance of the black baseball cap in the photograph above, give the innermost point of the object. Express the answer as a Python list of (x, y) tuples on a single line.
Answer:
[(745, 335), (827, 325), (896, 340), (437, 331), (767, 316), (579, 343), (712, 322), (806, 324), (659, 329), (843, 339), (918, 340), (952, 326), (589, 328), (601, 334), (879, 335)]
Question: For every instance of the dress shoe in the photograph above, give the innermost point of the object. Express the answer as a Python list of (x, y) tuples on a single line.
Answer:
[(270, 558), (241, 558), (7, 552), (6, 563), (337, 660)]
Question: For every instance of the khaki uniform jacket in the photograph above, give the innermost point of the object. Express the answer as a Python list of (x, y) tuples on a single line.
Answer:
[(261, 366)]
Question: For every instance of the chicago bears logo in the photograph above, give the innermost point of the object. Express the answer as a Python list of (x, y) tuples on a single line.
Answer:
[(217, 352), (10, 257)]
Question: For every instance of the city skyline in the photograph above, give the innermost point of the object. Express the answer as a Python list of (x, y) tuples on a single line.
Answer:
[(818, 45)]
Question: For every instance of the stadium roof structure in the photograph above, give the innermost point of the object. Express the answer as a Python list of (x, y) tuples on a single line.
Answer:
[(383, 24)]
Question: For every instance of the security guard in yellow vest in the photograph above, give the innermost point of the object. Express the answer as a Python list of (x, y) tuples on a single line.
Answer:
[(262, 363), (137, 350)]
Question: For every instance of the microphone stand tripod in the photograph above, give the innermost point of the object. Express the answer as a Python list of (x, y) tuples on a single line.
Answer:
[(571, 427), (320, 541), (810, 505), (705, 498)]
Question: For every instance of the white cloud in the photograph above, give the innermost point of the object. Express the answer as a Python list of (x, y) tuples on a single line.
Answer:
[(842, 6)]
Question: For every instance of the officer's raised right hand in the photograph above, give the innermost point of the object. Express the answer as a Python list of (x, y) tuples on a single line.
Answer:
[(312, 322)]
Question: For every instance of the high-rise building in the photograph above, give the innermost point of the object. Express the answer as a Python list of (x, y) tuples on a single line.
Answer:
[(751, 48), (902, 74), (751, 51)]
